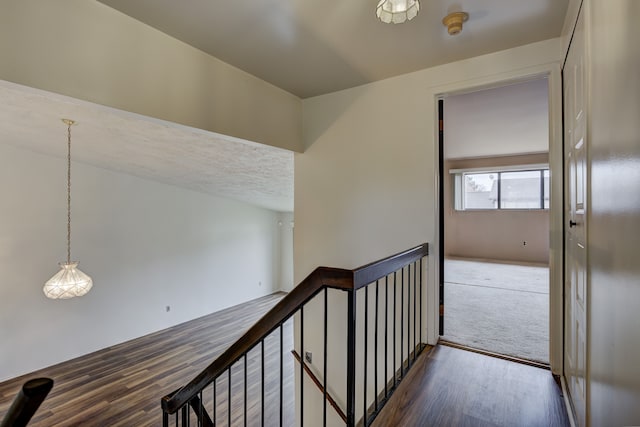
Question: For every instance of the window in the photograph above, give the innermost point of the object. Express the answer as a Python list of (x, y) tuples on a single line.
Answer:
[(516, 188), (545, 193), (480, 191)]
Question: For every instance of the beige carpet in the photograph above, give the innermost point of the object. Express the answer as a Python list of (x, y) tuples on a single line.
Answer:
[(502, 308)]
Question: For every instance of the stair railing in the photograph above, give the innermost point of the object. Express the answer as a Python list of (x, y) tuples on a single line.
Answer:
[(27, 402), (400, 277)]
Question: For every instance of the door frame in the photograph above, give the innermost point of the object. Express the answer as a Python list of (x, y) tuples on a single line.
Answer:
[(552, 72)]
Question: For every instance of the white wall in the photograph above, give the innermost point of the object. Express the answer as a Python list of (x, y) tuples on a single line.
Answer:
[(365, 186), (285, 225), (502, 121), (495, 234), (613, 222), (370, 165), (89, 51), (146, 245), (482, 128)]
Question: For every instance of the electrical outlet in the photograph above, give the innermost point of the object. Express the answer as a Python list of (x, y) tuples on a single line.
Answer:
[(308, 356), (168, 308), (524, 243)]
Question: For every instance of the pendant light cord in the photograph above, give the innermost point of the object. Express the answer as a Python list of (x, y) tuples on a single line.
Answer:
[(68, 193)]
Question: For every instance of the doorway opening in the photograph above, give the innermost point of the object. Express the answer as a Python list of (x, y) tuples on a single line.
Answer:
[(495, 210)]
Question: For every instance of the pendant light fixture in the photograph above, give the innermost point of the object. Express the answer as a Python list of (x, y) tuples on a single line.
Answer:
[(397, 11), (69, 282)]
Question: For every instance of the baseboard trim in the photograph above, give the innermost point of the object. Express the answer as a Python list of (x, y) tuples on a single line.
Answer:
[(567, 403)]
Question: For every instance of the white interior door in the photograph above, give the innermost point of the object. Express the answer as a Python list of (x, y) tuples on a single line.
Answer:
[(575, 287)]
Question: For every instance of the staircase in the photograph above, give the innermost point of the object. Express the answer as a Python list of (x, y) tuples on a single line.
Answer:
[(364, 326)]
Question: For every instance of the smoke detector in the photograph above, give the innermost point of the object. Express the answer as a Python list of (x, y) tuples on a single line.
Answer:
[(453, 22)]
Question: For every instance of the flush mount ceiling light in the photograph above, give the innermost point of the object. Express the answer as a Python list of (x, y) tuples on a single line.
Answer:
[(397, 11), (453, 22), (69, 282)]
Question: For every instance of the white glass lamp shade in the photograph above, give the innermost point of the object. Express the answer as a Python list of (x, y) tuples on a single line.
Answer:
[(397, 11), (69, 282)]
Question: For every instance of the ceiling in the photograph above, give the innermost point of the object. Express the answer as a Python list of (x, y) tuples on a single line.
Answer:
[(313, 47), (306, 47), (502, 121), (148, 148)]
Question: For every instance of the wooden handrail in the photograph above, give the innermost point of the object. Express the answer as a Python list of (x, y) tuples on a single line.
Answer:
[(369, 273), (320, 278)]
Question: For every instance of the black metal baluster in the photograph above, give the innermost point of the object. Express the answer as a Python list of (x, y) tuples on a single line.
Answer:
[(414, 310), (165, 419), (177, 418), (375, 353), (366, 343), (408, 316), (402, 323), (185, 415), (281, 375), (324, 369), (386, 335), (421, 326), (200, 408), (262, 385), (395, 318), (302, 365), (229, 397), (215, 404), (351, 358), (245, 390)]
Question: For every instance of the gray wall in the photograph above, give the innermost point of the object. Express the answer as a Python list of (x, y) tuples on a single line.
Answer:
[(146, 245), (495, 234), (285, 224), (89, 51), (365, 186), (614, 219), (501, 121)]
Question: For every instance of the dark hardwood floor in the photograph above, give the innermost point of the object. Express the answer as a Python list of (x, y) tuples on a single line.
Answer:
[(122, 385), (453, 387)]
